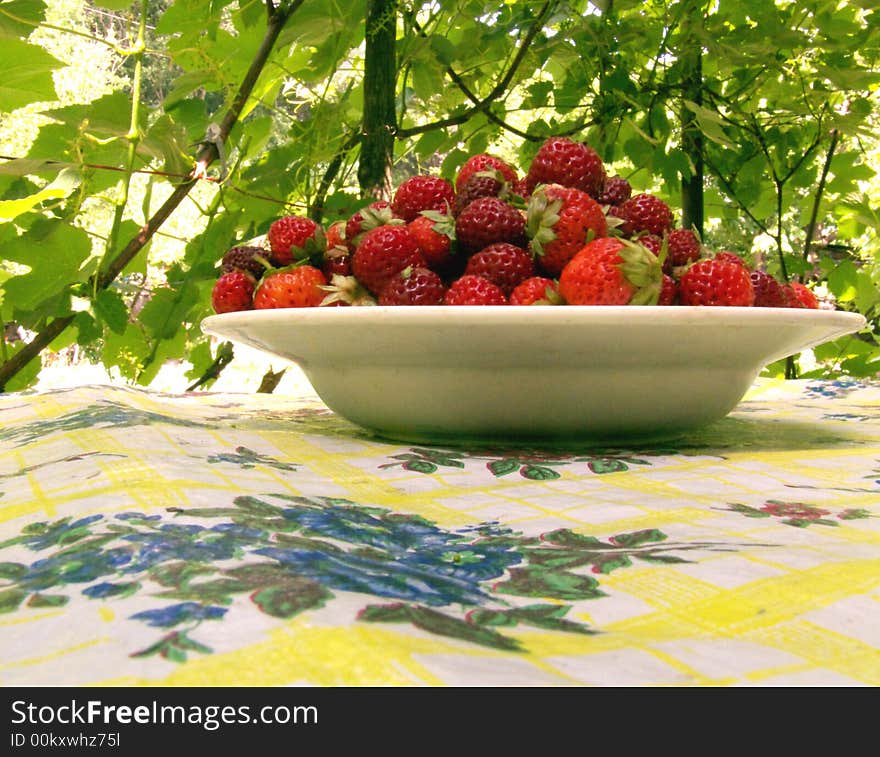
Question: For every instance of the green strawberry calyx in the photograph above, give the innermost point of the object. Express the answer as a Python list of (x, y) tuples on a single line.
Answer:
[(541, 218), (313, 247), (643, 269)]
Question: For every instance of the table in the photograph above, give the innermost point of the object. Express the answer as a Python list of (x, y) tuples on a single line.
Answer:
[(221, 539)]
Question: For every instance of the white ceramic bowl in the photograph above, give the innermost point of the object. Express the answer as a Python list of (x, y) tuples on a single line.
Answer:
[(445, 373)]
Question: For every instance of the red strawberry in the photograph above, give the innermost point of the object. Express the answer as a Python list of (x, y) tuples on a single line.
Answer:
[(413, 286), (233, 292), (730, 257), (768, 291), (488, 220), (420, 193), (293, 238), (504, 264), (716, 282), (471, 289), (561, 220), (611, 271), (536, 290), (383, 252), (684, 247), (790, 297), (245, 258), (652, 242), (560, 160), (336, 258), (482, 162), (668, 291), (336, 234), (644, 212), (806, 296), (478, 185), (295, 287), (615, 191), (377, 213), (434, 233)]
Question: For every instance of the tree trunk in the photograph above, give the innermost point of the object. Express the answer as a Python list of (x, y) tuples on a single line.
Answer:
[(379, 119), (690, 51)]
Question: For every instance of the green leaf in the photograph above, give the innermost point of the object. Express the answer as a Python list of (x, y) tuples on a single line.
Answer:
[(504, 466), (10, 599), (420, 466), (18, 18), (538, 473), (27, 74), (112, 310), (555, 584), (637, 538), (291, 598), (565, 537), (47, 600), (66, 181), (54, 251), (12, 570)]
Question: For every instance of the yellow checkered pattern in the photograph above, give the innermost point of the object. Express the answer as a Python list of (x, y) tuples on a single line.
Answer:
[(775, 512)]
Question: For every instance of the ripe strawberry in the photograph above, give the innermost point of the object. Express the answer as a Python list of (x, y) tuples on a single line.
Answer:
[(245, 258), (471, 289), (611, 271), (295, 287), (652, 242), (536, 290), (716, 282), (233, 292), (560, 160), (806, 296), (668, 291), (504, 264), (336, 234), (336, 258), (730, 257), (768, 291), (482, 162), (561, 220), (478, 185), (377, 213), (616, 191), (790, 297), (420, 193), (644, 212), (488, 220), (684, 247), (413, 286), (383, 252), (434, 233), (293, 238)]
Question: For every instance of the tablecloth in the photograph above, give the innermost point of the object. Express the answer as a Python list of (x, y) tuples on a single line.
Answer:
[(224, 539)]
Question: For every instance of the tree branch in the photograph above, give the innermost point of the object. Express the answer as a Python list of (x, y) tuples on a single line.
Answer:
[(482, 105), (205, 157)]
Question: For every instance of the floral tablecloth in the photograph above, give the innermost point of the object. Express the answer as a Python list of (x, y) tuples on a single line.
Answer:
[(219, 539)]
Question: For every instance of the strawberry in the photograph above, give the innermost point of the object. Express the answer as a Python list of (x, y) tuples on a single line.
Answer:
[(504, 264), (768, 291), (644, 212), (434, 233), (297, 286), (233, 292), (377, 213), (336, 258), (560, 160), (711, 281), (478, 185), (482, 163), (615, 191), (668, 291), (413, 286), (536, 290), (420, 193), (294, 238), (245, 258), (383, 252), (730, 257), (336, 234), (684, 247), (806, 296), (488, 220), (561, 220), (790, 297), (471, 289), (611, 271)]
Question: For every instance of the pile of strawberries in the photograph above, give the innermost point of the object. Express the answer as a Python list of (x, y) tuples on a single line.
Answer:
[(563, 233)]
